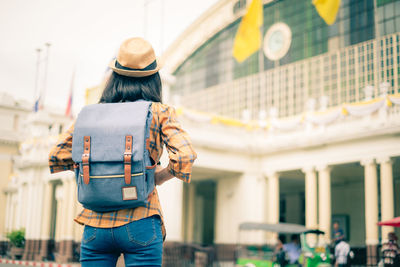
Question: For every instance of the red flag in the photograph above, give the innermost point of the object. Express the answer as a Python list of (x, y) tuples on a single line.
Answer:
[(68, 111), (392, 222)]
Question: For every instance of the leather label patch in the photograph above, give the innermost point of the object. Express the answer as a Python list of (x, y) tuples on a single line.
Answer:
[(129, 193)]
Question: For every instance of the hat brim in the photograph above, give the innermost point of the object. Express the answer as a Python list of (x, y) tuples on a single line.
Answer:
[(134, 73)]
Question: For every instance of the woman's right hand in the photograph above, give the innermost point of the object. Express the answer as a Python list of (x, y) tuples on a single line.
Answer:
[(162, 175)]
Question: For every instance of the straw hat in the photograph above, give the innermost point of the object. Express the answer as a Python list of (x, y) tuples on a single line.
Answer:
[(136, 58)]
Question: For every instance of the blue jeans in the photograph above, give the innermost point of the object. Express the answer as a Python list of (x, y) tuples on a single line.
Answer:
[(140, 241)]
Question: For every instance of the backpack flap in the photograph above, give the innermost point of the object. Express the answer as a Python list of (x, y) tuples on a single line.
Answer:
[(108, 125)]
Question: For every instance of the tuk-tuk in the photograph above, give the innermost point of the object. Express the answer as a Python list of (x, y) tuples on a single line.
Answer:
[(314, 251)]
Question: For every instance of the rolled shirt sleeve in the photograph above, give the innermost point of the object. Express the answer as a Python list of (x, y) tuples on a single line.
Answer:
[(60, 156), (178, 144)]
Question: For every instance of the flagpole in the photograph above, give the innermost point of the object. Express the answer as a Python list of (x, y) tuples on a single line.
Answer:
[(45, 72), (36, 93)]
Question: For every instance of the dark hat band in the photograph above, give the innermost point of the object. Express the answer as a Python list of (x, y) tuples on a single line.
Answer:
[(152, 66)]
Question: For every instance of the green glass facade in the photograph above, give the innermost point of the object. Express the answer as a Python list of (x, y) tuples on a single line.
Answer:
[(212, 64)]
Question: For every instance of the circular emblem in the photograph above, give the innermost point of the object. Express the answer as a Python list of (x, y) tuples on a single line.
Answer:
[(277, 41)]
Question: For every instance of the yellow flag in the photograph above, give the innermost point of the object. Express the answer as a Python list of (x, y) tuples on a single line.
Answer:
[(248, 36), (327, 9)]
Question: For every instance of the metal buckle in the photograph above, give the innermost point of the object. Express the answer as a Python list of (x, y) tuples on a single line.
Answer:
[(129, 154), (85, 157)]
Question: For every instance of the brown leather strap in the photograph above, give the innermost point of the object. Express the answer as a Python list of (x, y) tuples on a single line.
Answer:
[(128, 158), (151, 167), (85, 159)]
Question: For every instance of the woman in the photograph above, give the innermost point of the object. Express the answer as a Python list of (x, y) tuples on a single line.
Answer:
[(137, 233), (390, 251)]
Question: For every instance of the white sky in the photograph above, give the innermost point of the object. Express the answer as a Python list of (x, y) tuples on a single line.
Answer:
[(84, 35)]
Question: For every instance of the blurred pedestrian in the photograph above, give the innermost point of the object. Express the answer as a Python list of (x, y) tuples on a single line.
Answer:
[(342, 251), (139, 232), (338, 234), (390, 251), (293, 249)]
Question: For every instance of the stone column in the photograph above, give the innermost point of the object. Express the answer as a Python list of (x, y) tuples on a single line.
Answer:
[(46, 217), (63, 226), (240, 199), (273, 197), (371, 209), (60, 191), (387, 196), (66, 227), (37, 219), (13, 209), (78, 229), (28, 203), (19, 206), (273, 204), (225, 216), (190, 212), (250, 201), (325, 208), (311, 197), (69, 231), (8, 225)]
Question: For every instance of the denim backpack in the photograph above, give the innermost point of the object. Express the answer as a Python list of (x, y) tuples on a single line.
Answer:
[(112, 161)]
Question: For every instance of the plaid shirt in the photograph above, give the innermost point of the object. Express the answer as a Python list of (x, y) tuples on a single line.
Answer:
[(390, 250), (164, 129)]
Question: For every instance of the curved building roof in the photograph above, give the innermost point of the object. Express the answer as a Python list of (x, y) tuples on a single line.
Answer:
[(215, 19), (302, 60)]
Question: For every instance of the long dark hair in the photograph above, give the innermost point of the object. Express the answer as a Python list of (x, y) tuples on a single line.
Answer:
[(128, 89)]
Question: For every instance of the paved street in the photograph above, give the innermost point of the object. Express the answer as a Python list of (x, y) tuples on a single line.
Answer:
[(38, 265), (6, 263)]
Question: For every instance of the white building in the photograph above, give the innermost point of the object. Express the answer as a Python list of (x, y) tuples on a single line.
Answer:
[(12, 113), (301, 132), (29, 195)]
